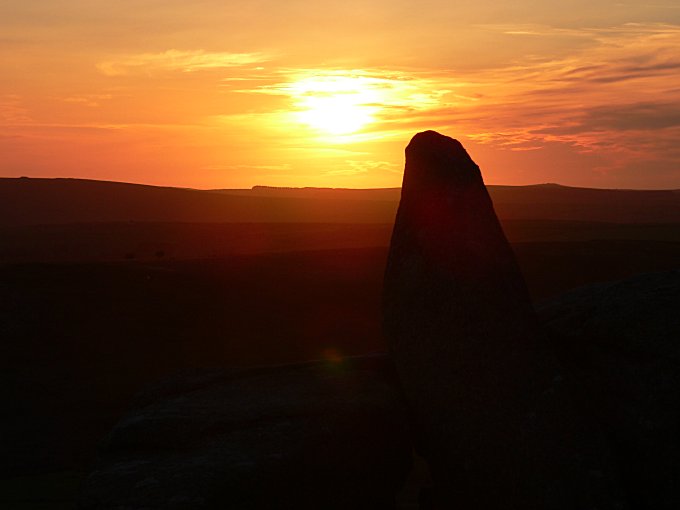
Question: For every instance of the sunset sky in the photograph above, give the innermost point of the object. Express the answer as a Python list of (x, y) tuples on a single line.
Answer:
[(216, 94)]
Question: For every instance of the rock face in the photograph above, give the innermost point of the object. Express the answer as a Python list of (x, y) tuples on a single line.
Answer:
[(309, 436), (622, 341), (490, 409)]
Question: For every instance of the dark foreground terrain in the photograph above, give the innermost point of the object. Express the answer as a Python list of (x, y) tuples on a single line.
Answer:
[(91, 312)]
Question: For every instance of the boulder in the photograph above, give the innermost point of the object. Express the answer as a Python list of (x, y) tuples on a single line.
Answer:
[(491, 411), (329, 435), (621, 341)]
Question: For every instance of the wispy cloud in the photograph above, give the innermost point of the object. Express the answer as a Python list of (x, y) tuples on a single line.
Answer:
[(177, 60), (384, 88), (633, 64), (358, 167), (90, 100), (352, 106), (12, 111), (618, 91), (247, 167), (608, 95)]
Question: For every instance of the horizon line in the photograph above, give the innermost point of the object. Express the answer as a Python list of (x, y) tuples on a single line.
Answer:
[(267, 186)]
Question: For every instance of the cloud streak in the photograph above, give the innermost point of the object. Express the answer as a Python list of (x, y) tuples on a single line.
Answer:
[(186, 61), (197, 86), (615, 95), (621, 88)]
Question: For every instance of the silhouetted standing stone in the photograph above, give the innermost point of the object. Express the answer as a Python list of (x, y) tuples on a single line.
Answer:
[(489, 405)]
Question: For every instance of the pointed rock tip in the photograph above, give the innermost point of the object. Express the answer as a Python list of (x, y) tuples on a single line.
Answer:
[(432, 140), (433, 159)]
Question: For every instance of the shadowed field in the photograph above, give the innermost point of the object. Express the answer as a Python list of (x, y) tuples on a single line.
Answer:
[(92, 311)]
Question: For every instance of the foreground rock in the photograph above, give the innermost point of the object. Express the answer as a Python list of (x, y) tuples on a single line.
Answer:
[(309, 436), (491, 411), (622, 341)]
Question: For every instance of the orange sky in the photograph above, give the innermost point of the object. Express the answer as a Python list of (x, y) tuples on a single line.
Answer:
[(215, 94)]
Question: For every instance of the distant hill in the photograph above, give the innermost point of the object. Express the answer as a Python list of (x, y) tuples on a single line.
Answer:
[(535, 202), (389, 194), (555, 202), (28, 201)]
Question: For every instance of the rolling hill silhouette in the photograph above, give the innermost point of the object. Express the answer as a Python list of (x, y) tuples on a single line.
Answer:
[(25, 201)]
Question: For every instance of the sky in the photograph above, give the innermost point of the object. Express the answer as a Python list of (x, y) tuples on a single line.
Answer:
[(224, 94)]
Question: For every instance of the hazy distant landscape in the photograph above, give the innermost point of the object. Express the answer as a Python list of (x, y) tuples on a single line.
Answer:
[(108, 286), (75, 220), (248, 257)]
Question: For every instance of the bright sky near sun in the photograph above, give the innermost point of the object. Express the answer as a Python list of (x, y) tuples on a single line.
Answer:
[(214, 94)]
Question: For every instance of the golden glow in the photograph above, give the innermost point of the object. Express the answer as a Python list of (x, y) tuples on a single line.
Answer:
[(295, 94), (337, 105), (340, 103)]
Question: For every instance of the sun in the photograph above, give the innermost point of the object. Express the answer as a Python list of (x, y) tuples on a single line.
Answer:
[(336, 105), (336, 114)]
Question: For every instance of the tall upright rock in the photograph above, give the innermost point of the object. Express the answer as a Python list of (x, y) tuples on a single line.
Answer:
[(490, 408)]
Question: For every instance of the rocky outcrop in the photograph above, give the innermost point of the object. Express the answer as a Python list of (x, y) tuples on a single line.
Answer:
[(329, 435), (491, 411), (621, 341)]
